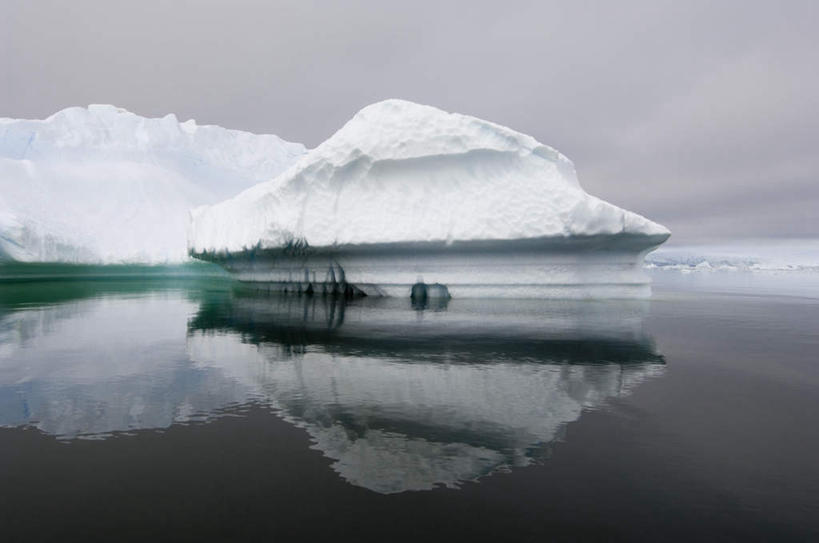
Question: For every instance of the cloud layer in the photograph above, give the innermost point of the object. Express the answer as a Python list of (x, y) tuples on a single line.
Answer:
[(701, 115)]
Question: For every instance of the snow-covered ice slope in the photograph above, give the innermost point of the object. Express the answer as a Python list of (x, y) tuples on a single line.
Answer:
[(405, 190), (101, 184)]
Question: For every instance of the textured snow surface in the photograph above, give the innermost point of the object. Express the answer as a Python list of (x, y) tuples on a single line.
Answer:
[(404, 172), (101, 184)]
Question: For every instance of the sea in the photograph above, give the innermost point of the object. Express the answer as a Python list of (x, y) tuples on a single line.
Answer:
[(170, 403)]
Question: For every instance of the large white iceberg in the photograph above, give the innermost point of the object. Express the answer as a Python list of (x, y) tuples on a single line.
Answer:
[(404, 192), (101, 184)]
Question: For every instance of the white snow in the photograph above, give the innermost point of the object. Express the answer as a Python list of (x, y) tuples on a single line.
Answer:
[(404, 172), (101, 184)]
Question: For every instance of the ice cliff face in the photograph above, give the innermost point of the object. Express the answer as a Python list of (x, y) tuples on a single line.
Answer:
[(404, 172), (101, 184)]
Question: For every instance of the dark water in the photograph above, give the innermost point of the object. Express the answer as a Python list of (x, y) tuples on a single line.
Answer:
[(191, 409)]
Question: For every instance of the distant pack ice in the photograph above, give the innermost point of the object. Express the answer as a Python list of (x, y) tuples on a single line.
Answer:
[(405, 192), (103, 185)]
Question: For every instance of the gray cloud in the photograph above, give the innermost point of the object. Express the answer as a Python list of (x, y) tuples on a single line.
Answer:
[(701, 115)]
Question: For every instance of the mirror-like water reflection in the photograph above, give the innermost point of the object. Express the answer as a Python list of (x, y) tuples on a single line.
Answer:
[(399, 397)]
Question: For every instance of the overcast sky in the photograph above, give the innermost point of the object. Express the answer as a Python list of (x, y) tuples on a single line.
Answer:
[(701, 115)]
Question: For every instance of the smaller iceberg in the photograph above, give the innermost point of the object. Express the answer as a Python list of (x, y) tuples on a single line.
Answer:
[(102, 185), (405, 193)]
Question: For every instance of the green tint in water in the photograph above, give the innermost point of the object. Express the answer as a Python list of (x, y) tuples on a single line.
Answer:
[(50, 283), (37, 271)]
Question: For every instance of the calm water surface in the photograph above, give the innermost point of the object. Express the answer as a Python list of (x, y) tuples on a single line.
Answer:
[(194, 409)]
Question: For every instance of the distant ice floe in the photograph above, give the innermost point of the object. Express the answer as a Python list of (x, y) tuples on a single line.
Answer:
[(103, 185), (767, 255), (760, 267)]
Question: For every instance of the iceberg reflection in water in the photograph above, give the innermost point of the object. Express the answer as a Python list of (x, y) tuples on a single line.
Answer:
[(408, 400), (399, 397)]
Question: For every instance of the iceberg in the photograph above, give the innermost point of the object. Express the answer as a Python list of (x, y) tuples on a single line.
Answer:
[(405, 194), (103, 185)]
